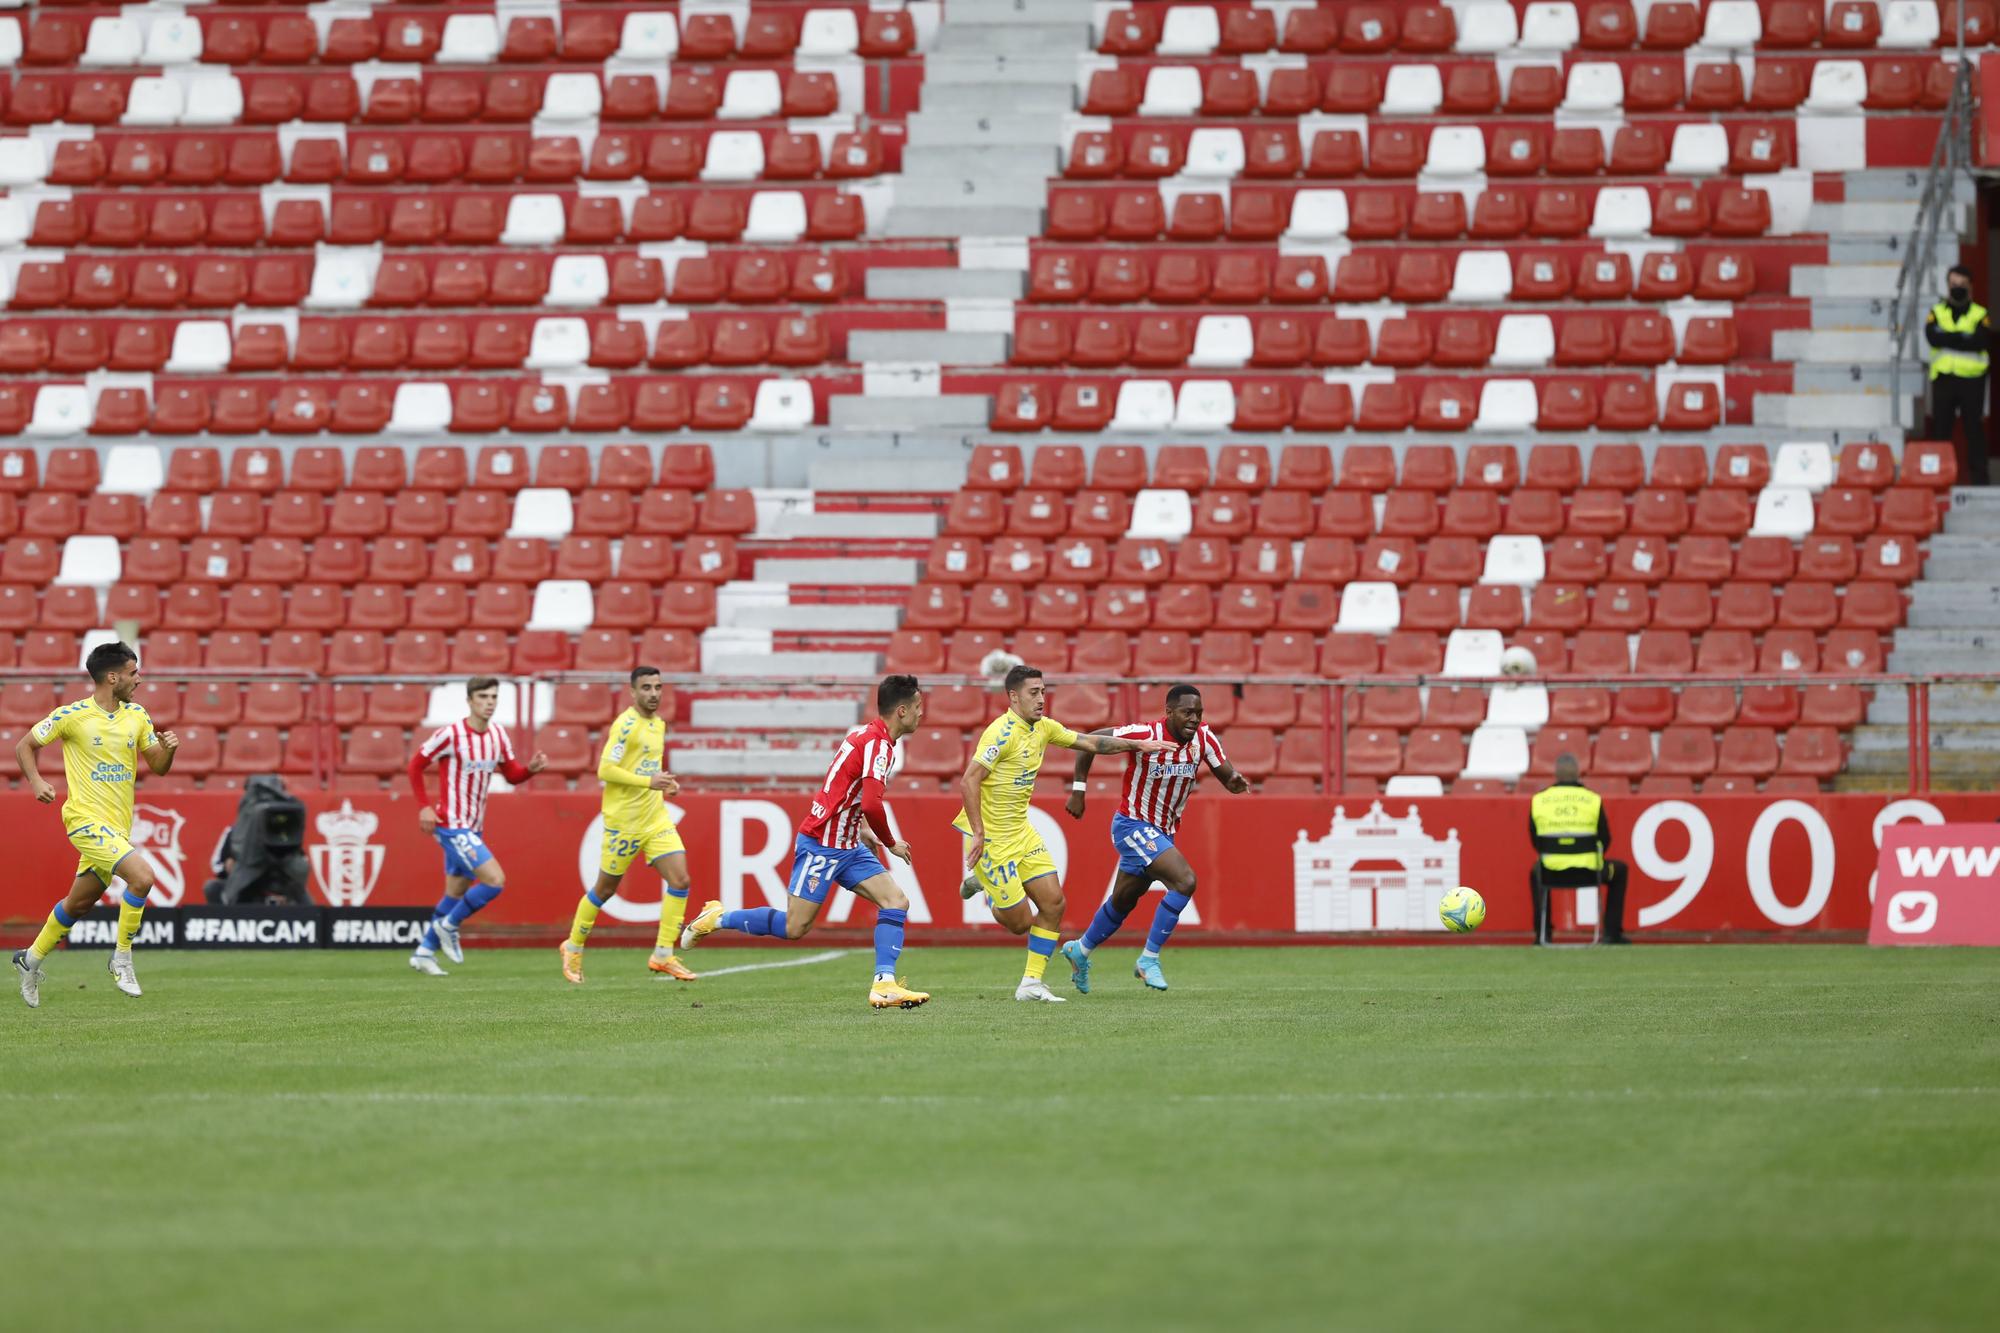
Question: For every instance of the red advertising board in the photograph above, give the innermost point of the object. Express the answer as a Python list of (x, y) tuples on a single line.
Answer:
[(1310, 867), (1939, 884)]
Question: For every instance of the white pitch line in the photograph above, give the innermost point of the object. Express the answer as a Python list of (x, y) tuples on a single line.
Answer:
[(807, 961)]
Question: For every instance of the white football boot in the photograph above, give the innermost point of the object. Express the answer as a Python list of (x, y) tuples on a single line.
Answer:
[(1035, 990), (122, 975), (448, 939), (424, 963)]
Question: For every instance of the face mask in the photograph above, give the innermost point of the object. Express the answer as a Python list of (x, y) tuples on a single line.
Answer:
[(1961, 295)]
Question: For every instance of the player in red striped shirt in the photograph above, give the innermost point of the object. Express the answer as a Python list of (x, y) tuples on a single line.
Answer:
[(1157, 787), (467, 754), (841, 842)]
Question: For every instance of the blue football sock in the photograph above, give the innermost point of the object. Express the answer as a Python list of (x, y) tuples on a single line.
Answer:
[(1165, 919), (889, 939), (1104, 925), (754, 921), (445, 905), (475, 898), (430, 942)]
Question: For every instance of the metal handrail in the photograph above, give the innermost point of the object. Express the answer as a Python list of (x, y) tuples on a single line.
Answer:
[(1951, 157)]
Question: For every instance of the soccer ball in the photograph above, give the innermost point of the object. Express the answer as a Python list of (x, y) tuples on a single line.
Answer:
[(1462, 910), (1517, 662)]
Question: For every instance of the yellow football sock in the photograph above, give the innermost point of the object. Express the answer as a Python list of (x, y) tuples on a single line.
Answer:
[(129, 914), (54, 931), (673, 911), (1041, 943), (586, 917)]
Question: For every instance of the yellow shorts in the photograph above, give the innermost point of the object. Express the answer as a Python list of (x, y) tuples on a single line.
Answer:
[(657, 839), (100, 849), (1005, 869)]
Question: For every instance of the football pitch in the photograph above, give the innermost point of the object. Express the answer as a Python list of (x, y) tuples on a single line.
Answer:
[(1292, 1138)]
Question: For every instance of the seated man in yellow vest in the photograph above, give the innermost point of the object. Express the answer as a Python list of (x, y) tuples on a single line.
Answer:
[(1572, 836), (1960, 336)]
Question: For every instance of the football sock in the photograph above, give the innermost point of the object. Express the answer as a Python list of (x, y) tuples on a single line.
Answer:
[(754, 921), (131, 908), (586, 917), (889, 941), (1164, 920), (475, 900), (54, 930), (1041, 944), (1104, 925), (442, 912), (673, 911), (445, 904)]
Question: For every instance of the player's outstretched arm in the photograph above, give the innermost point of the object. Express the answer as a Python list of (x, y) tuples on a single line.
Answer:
[(1084, 758), (1232, 781), (1094, 743), (160, 754), (25, 751)]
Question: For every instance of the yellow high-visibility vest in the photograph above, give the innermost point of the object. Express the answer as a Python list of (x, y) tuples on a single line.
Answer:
[(1949, 360), (1569, 813)]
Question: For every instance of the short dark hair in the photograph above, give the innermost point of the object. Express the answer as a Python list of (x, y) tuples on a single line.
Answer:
[(106, 658), (478, 683), (894, 692), (1021, 675), (1180, 691), (1959, 268), (639, 671)]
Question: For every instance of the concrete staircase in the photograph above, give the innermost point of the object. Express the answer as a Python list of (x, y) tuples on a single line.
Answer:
[(1954, 626)]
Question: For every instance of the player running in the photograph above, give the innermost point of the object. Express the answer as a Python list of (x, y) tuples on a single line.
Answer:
[(467, 754), (636, 824), (841, 842), (102, 738), (1003, 856), (1157, 787)]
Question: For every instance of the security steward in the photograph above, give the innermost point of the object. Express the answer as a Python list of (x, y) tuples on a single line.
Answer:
[(1960, 335), (1571, 836)]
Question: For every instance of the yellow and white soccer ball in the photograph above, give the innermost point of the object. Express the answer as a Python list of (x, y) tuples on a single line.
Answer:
[(1462, 910)]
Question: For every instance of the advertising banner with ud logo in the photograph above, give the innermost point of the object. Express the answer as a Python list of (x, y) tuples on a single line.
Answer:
[(1938, 884)]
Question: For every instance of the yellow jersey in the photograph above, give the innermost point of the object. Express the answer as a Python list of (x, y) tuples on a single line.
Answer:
[(638, 746), (1012, 752), (100, 760)]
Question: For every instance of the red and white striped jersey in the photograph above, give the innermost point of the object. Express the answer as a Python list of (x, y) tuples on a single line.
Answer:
[(1157, 786), (466, 760), (867, 754)]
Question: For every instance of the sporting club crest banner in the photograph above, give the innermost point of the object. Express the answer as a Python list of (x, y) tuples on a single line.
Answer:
[(1305, 867)]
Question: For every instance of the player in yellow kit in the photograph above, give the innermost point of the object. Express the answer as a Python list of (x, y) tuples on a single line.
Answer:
[(637, 826), (1004, 857), (103, 738)]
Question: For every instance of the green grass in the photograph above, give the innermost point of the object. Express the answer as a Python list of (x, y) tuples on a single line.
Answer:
[(1744, 1138)]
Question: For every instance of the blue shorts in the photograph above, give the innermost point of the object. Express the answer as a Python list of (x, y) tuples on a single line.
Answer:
[(1139, 844), (816, 869), (464, 850)]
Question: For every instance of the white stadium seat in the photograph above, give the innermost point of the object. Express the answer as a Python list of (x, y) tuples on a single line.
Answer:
[(542, 511), (1215, 153), (213, 99), (734, 155), (14, 222), (1524, 340), (578, 280), (1167, 515), (572, 97), (534, 219), (775, 216), (341, 280), (1621, 211), (1523, 706), (1455, 150), (1414, 784), (132, 469), (1481, 276), (1317, 215), (1144, 405), (1549, 27), (1221, 341), (10, 42), (201, 346), (1699, 150), (1412, 90), (651, 36), (113, 41), (1473, 652), (421, 407), (469, 39), (60, 409), (1733, 25), (1171, 90), (565, 605), (1782, 511), (1189, 30), (1515, 561), (1369, 608), (829, 32), (751, 94), (90, 562), (1838, 86), (23, 161), (1486, 26), (559, 344), (1805, 463), (1497, 753), (1507, 405), (1205, 405), (172, 41), (1910, 25), (782, 405), (1594, 86), (153, 100)]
